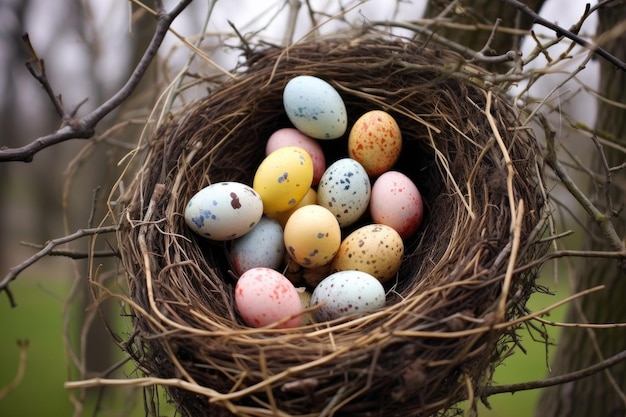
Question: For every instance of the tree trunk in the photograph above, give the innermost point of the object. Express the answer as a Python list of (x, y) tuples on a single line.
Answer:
[(485, 13), (602, 394)]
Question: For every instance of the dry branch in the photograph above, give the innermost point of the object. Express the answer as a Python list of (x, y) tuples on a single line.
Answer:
[(84, 127)]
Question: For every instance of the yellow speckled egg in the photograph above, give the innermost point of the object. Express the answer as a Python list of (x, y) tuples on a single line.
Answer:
[(309, 198), (375, 248), (375, 141), (283, 178), (312, 236)]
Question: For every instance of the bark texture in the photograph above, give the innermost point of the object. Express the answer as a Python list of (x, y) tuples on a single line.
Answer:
[(483, 12), (602, 394)]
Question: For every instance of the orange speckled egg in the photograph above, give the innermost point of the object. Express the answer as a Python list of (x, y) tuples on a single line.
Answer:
[(375, 141), (375, 248)]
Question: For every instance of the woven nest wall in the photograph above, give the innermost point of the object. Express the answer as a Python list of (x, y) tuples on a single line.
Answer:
[(464, 277)]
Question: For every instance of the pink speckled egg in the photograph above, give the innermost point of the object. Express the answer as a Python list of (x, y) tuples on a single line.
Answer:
[(375, 141), (293, 137), (397, 202), (264, 296), (347, 292)]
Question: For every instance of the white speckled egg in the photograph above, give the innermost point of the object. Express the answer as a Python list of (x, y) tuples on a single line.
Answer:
[(347, 292), (283, 178), (263, 246), (315, 108), (375, 248), (264, 296), (224, 211), (312, 236), (345, 190), (397, 202)]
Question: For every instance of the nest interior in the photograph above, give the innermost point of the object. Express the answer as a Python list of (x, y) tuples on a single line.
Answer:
[(445, 324)]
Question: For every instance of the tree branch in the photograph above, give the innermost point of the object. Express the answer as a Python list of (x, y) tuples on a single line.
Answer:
[(560, 31), (84, 128), (47, 250), (556, 380)]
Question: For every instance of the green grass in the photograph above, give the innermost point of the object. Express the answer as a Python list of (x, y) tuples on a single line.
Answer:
[(522, 367), (39, 318)]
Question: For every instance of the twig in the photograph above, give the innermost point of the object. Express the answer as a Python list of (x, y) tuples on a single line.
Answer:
[(607, 171), (74, 254), (21, 368), (84, 127), (37, 68), (557, 380), (481, 56), (560, 31), (47, 249), (603, 221)]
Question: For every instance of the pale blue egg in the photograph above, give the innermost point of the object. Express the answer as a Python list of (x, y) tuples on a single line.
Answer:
[(315, 108)]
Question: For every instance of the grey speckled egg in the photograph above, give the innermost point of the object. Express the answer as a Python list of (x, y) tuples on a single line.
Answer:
[(263, 246), (224, 211), (315, 108), (347, 292), (345, 190)]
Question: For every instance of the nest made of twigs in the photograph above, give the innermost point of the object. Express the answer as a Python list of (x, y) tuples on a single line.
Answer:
[(464, 276)]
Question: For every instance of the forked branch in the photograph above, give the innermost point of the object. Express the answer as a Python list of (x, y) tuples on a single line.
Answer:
[(84, 127)]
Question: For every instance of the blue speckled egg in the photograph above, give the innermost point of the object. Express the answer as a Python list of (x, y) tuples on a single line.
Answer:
[(224, 211), (315, 108), (345, 190)]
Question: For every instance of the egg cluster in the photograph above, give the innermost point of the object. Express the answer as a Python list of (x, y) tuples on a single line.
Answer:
[(295, 232)]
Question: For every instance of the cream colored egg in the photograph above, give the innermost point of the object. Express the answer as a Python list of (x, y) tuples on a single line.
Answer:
[(312, 236), (375, 248)]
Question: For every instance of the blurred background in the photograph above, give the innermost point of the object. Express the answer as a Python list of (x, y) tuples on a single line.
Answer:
[(90, 48)]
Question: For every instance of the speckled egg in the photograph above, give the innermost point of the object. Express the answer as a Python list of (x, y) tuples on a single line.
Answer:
[(347, 292), (375, 248), (375, 141), (293, 137), (397, 202), (309, 198), (263, 246), (224, 211), (345, 190), (264, 296), (312, 236), (283, 178), (315, 108)]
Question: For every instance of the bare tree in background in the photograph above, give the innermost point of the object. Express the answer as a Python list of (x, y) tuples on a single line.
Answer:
[(603, 393)]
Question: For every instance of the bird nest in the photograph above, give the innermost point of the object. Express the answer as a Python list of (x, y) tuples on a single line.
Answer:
[(452, 312)]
